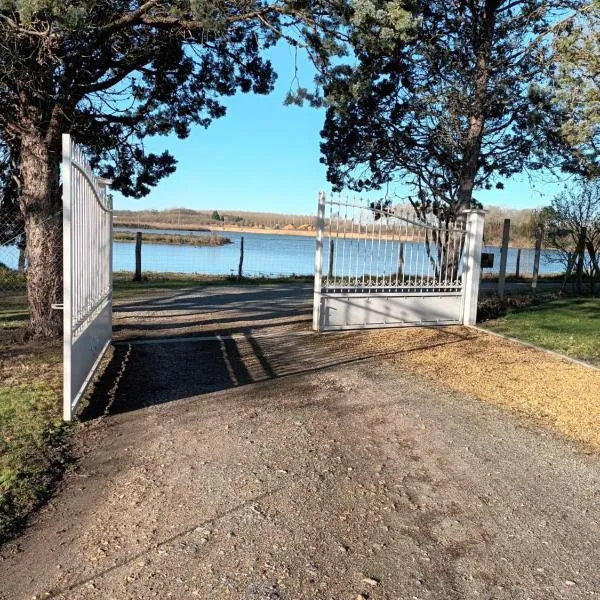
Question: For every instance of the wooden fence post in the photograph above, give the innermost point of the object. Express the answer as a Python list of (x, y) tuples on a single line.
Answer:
[(539, 234), (503, 258), (21, 265), (138, 257), (518, 264), (241, 265)]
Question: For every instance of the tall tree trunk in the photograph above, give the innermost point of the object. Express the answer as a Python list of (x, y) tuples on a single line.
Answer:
[(40, 206), (470, 162), (484, 32)]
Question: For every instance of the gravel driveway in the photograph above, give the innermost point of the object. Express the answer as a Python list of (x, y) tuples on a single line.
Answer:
[(270, 463)]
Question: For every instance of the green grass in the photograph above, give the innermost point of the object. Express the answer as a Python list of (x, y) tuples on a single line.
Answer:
[(570, 326), (32, 437), (14, 318)]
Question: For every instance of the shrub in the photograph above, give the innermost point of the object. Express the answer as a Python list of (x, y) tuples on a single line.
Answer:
[(491, 307)]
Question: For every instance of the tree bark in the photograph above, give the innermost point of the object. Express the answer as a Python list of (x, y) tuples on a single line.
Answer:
[(470, 164), (40, 206), (474, 134)]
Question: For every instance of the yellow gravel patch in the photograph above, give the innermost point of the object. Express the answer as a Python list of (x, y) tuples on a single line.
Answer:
[(555, 393)]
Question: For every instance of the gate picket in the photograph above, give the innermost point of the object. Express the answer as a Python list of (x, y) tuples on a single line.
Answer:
[(397, 270)]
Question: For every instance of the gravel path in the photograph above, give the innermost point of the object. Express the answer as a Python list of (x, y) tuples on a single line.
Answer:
[(288, 466)]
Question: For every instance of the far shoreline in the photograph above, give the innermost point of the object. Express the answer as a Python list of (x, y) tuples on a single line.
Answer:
[(271, 231), (215, 229)]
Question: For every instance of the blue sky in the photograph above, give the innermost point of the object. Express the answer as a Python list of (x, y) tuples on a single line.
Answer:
[(264, 156)]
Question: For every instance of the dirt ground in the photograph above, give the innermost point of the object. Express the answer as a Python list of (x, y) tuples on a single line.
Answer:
[(228, 453)]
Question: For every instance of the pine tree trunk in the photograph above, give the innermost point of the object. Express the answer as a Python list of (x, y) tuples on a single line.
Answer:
[(40, 206)]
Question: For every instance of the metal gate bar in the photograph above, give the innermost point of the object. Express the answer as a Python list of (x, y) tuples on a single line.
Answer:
[(388, 268)]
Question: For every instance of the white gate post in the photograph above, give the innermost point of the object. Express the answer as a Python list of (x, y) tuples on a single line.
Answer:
[(316, 324), (472, 264), (67, 275)]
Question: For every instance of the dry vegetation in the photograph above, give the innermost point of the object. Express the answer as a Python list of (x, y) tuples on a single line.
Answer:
[(554, 393), (165, 238), (522, 226), (193, 220)]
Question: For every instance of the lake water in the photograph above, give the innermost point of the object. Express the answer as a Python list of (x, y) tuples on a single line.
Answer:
[(268, 255), (273, 255)]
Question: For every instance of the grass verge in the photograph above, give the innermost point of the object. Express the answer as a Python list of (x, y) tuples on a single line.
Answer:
[(570, 326), (33, 439), (14, 318)]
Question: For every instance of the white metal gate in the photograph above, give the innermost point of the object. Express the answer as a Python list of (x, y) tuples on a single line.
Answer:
[(376, 267), (87, 273)]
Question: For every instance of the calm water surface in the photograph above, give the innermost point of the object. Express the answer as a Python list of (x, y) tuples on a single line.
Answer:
[(280, 255)]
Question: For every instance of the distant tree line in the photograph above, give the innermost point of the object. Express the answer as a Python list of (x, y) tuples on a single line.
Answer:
[(523, 221), (183, 217)]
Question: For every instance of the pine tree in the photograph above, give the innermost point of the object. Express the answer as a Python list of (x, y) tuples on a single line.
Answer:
[(447, 101), (112, 72)]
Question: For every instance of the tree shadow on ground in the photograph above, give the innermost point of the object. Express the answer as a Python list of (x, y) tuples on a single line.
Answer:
[(158, 371), (213, 311), (225, 338)]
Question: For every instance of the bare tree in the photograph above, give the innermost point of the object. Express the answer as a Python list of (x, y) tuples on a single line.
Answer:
[(573, 230)]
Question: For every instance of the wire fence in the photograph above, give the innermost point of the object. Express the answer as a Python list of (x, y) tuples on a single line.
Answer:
[(279, 255), (14, 316), (252, 255), (520, 262), (12, 256), (230, 253), (13, 276), (203, 253)]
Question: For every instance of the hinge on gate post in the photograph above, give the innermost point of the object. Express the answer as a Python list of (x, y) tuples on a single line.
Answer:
[(57, 306)]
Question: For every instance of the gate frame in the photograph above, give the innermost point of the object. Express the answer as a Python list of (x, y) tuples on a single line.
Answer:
[(468, 294), (89, 344)]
